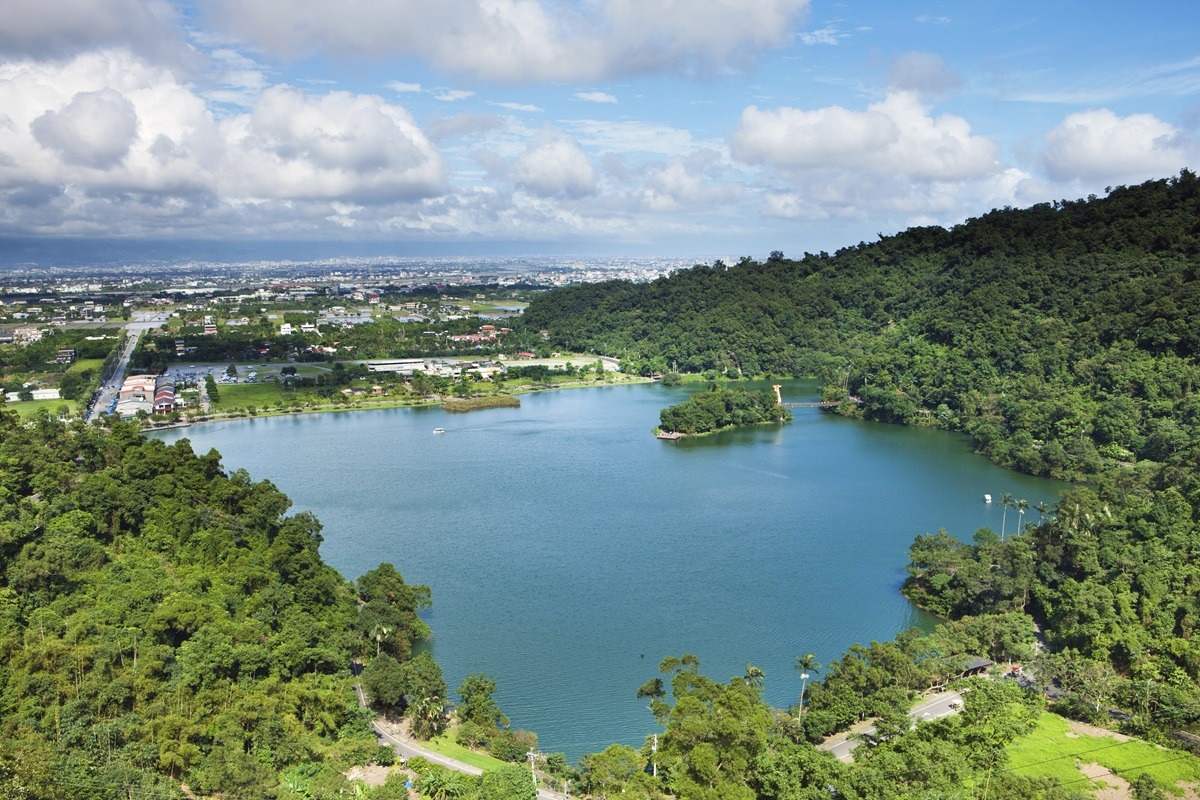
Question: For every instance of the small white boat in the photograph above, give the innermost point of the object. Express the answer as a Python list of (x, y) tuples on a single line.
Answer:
[(987, 498), (443, 430)]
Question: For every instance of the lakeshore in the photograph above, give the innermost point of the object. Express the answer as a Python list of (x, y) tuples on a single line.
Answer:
[(568, 552)]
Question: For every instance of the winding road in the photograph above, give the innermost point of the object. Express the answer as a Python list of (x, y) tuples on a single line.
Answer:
[(408, 748), (934, 707)]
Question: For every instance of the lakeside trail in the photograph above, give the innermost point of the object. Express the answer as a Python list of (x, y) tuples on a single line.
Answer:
[(395, 736)]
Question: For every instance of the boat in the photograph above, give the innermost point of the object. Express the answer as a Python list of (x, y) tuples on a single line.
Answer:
[(987, 498), (443, 430)]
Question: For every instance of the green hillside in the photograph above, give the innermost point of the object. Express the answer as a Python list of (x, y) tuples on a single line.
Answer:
[(1062, 337)]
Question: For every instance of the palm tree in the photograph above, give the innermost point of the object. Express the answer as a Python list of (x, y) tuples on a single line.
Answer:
[(1006, 500), (807, 666), (1042, 510), (754, 677), (1022, 506)]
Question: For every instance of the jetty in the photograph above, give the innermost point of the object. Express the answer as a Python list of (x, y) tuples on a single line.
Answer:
[(814, 404)]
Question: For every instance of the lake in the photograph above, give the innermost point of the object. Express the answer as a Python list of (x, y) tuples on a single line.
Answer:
[(569, 551)]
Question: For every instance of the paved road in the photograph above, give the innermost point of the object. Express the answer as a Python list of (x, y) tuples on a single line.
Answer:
[(933, 707), (408, 749), (108, 391)]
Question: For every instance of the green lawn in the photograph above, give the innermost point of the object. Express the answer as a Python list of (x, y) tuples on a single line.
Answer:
[(28, 408), (82, 364), (446, 746), (1049, 750), (243, 395)]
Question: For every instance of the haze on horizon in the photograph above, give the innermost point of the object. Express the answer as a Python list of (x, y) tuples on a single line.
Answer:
[(540, 126)]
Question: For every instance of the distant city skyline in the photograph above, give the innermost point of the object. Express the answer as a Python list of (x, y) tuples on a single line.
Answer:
[(191, 128)]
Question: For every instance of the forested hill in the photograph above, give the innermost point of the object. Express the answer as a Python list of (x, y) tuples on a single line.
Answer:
[(1061, 336), (163, 623)]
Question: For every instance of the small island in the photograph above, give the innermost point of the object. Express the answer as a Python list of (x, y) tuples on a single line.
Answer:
[(718, 407)]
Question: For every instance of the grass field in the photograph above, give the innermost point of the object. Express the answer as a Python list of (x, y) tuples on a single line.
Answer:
[(1053, 750), (244, 395), (82, 364), (28, 408), (446, 745)]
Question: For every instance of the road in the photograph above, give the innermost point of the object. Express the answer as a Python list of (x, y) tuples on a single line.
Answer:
[(408, 748), (933, 707), (108, 391)]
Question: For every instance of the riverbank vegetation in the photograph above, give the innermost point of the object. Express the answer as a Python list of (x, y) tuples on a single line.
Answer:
[(719, 407), (460, 405)]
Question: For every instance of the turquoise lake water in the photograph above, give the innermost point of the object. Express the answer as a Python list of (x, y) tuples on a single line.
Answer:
[(569, 551)]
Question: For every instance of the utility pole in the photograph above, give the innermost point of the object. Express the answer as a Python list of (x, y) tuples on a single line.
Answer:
[(532, 770), (653, 760)]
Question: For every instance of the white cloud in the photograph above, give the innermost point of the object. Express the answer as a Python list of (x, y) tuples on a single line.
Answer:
[(452, 95), (106, 142), (522, 40), (401, 87), (894, 136), (555, 167), (1098, 146), (828, 35), (526, 107), (595, 97), (96, 129), (338, 145), (687, 183)]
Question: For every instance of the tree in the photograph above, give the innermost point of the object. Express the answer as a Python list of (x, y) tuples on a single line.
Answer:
[(1006, 500), (807, 666), (754, 677), (510, 782), (383, 680), (477, 704), (1021, 506)]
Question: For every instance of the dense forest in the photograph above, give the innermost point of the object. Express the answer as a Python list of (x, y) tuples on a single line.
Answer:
[(166, 624), (1062, 337), (720, 407), (162, 622)]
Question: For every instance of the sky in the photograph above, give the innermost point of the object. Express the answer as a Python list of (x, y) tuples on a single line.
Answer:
[(619, 127)]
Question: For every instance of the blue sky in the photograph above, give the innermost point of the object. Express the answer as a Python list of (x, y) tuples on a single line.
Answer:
[(677, 127)]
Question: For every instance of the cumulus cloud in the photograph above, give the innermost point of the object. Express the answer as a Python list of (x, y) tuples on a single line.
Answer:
[(687, 183), (108, 142), (338, 145), (897, 135), (96, 129), (522, 40), (1098, 146), (556, 167)]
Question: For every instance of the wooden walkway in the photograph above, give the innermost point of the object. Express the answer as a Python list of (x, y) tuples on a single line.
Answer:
[(825, 404)]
